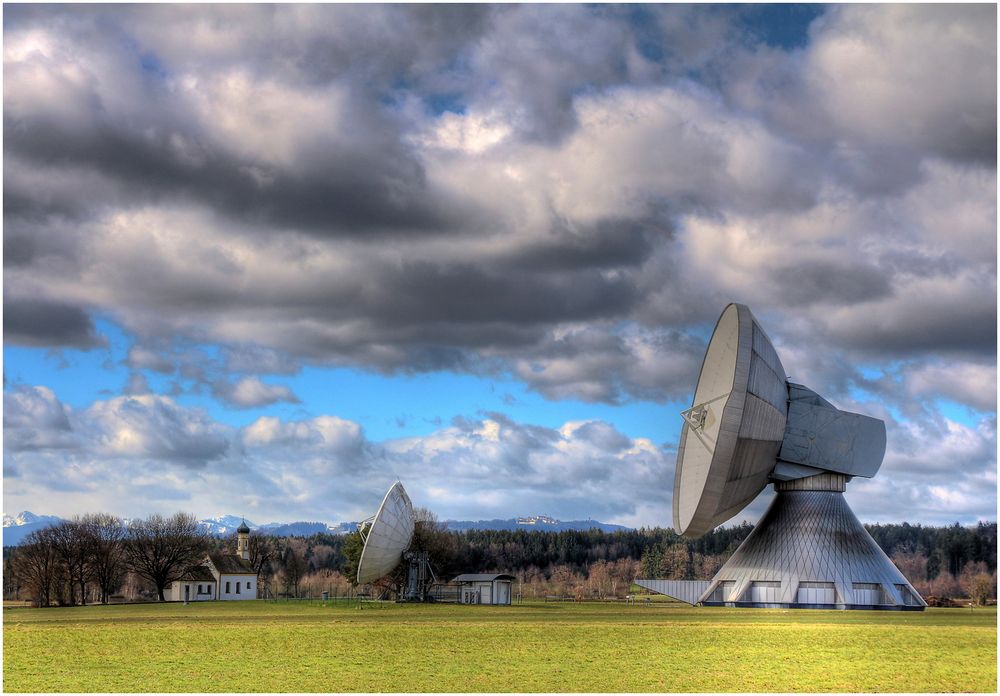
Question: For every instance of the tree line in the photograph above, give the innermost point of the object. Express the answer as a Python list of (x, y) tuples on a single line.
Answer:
[(94, 557), (90, 558), (939, 561)]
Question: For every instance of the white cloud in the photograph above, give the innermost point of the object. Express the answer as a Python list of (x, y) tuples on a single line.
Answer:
[(324, 468), (966, 383), (34, 419), (153, 427), (870, 67), (250, 392), (321, 433)]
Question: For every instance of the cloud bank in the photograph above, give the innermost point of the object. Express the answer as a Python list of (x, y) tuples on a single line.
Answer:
[(565, 194)]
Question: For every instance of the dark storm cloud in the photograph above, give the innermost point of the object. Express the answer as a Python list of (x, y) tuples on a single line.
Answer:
[(811, 282), (39, 322), (127, 116), (382, 46), (566, 193), (362, 187), (923, 326), (611, 243), (470, 293)]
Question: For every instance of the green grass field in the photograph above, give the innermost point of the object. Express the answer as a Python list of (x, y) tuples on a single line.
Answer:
[(306, 646)]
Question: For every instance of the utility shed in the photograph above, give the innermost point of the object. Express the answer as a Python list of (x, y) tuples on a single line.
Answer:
[(484, 588)]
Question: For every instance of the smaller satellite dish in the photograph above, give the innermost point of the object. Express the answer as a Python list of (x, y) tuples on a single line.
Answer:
[(387, 536)]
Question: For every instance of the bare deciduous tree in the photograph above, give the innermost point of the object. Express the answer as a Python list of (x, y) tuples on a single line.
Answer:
[(676, 563), (162, 549), (293, 560), (37, 566), (262, 555), (982, 587), (106, 537), (71, 543)]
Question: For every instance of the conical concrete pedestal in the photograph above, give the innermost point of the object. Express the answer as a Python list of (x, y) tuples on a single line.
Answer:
[(810, 551)]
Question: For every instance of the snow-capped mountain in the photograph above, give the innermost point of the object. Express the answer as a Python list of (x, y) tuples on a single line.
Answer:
[(541, 523), (17, 527), (27, 517), (224, 524)]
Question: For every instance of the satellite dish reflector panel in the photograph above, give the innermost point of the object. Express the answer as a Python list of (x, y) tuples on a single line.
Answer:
[(389, 535), (732, 433)]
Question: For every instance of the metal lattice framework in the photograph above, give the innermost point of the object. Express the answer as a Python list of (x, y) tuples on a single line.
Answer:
[(809, 549)]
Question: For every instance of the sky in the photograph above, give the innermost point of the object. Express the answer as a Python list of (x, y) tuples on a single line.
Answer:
[(265, 260)]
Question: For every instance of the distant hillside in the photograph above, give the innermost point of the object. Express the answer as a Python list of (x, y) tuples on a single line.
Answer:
[(303, 529), (541, 523), (226, 524), (16, 528)]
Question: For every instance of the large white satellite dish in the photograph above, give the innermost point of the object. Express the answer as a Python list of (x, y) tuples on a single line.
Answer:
[(386, 535), (749, 427)]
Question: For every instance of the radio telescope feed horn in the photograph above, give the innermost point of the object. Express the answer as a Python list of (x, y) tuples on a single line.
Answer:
[(733, 432), (389, 534)]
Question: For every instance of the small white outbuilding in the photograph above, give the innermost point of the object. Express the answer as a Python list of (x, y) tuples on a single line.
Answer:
[(484, 588)]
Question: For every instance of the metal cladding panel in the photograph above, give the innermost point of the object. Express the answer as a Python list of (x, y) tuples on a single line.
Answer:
[(812, 537), (684, 590), (822, 436), (762, 421), (763, 347), (797, 392), (767, 375), (752, 464), (721, 470), (388, 536)]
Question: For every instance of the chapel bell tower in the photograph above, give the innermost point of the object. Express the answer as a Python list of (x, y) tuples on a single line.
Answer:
[(243, 541)]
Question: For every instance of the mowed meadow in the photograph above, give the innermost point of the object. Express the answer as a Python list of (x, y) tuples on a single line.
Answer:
[(345, 647)]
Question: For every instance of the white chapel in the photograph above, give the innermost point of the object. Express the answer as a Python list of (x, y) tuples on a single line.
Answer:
[(221, 576)]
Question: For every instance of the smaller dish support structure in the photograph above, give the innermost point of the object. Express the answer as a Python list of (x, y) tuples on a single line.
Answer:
[(419, 577)]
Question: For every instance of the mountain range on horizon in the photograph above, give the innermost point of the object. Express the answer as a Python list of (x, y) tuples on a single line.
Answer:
[(17, 527)]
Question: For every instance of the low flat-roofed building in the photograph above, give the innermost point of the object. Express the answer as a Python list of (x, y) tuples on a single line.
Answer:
[(484, 588)]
